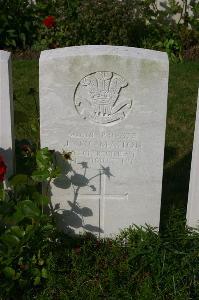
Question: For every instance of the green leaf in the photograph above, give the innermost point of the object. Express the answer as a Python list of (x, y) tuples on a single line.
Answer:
[(22, 283), (20, 179), (37, 280), (40, 263), (43, 159), (9, 272), (40, 175), (29, 208), (1, 193), (34, 260), (10, 240), (17, 216), (44, 273), (17, 231), (48, 227), (40, 199), (26, 209), (55, 172), (34, 128), (17, 276), (36, 272)]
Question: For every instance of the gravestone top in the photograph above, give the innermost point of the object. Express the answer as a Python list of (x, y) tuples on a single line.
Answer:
[(108, 106), (95, 50), (4, 55), (6, 111)]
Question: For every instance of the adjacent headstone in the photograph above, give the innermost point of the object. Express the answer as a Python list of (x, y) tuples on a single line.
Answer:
[(177, 17), (193, 199), (6, 111), (108, 105)]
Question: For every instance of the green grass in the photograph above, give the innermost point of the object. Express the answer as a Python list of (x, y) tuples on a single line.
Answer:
[(140, 264), (25, 89), (148, 267), (183, 89), (182, 100)]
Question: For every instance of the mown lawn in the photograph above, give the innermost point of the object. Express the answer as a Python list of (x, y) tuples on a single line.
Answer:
[(25, 89)]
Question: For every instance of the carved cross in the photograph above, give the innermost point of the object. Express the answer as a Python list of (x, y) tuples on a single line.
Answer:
[(102, 197)]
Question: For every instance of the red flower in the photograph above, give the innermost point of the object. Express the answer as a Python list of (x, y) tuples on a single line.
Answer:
[(3, 169), (49, 21)]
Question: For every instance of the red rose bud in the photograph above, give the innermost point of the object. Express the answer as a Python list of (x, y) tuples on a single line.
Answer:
[(49, 21), (3, 169)]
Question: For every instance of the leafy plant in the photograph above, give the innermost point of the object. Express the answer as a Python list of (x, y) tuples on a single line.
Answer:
[(17, 23), (93, 22), (26, 230), (59, 23), (172, 47)]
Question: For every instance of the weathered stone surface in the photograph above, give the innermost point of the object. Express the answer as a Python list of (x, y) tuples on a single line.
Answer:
[(6, 111), (108, 105), (193, 199)]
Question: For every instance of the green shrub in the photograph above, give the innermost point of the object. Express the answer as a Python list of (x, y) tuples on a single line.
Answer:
[(26, 230), (95, 22), (166, 34), (128, 22), (17, 24)]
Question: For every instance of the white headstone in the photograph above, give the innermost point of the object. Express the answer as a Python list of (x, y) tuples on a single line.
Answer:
[(6, 111), (108, 105), (193, 199), (163, 4)]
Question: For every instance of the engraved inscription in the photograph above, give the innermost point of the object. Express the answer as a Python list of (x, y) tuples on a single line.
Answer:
[(98, 98), (103, 147)]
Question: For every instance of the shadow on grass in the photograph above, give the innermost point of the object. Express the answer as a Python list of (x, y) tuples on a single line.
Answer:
[(175, 185)]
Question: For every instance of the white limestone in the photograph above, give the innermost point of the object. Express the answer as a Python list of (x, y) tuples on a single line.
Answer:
[(108, 105), (162, 4), (6, 111), (193, 199)]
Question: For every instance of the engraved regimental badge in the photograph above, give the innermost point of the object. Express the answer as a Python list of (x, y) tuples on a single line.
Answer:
[(98, 98)]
